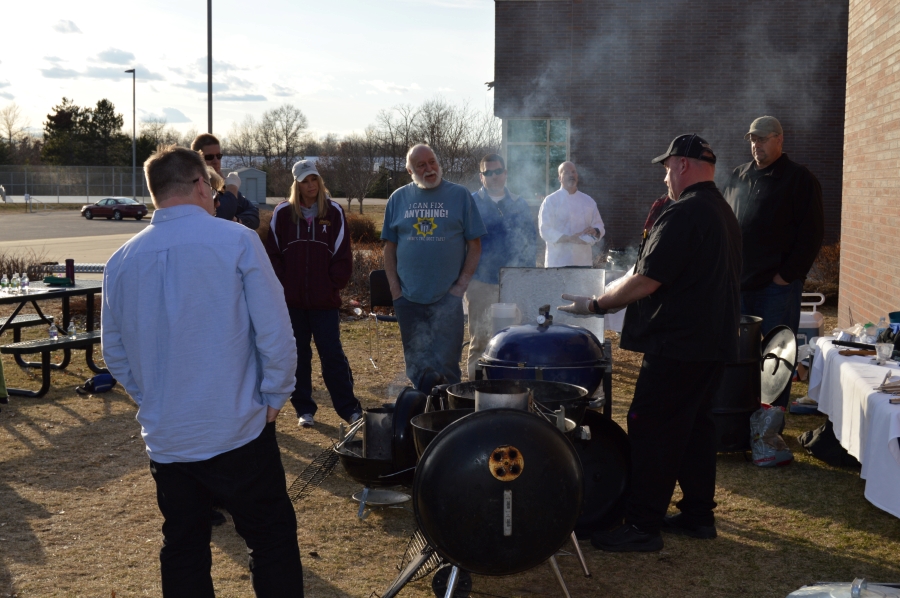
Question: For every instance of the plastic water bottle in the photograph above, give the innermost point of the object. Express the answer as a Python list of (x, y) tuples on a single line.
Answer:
[(71, 330), (25, 283), (14, 285), (54, 333), (882, 326), (4, 284)]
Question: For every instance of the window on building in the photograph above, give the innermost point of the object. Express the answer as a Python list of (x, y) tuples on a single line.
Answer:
[(534, 150)]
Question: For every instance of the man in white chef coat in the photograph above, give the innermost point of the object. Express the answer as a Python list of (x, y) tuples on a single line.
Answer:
[(569, 222)]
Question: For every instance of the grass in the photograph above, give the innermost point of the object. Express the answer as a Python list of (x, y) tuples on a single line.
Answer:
[(78, 515)]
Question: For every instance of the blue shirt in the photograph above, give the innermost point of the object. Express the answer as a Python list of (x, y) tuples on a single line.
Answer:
[(196, 329), (511, 239), (430, 228)]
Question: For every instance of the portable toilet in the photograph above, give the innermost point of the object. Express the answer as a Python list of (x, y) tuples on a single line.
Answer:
[(253, 184)]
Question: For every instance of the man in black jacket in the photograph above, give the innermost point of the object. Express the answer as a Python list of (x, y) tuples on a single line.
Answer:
[(687, 278), (778, 204), (230, 204)]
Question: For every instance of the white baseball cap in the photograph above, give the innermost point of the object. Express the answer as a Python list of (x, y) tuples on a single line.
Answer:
[(303, 169)]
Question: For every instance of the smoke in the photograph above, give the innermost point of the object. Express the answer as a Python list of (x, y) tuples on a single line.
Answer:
[(632, 76)]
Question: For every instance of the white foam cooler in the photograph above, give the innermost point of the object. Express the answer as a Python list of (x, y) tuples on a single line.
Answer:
[(812, 323)]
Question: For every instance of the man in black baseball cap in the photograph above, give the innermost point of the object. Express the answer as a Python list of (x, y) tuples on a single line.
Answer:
[(686, 280)]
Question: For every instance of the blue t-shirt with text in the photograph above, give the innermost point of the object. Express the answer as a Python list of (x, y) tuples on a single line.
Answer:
[(430, 228)]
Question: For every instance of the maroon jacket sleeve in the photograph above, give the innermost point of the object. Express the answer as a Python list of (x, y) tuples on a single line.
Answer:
[(341, 266), (272, 248)]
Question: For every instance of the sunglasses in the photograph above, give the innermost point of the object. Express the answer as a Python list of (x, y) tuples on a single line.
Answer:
[(211, 157), (496, 171)]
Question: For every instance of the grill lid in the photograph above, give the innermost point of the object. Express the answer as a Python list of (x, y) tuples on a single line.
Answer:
[(544, 346)]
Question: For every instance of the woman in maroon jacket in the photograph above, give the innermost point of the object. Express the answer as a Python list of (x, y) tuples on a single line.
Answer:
[(309, 247)]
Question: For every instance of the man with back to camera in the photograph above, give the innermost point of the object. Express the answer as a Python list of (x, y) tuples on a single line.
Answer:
[(778, 204), (232, 205), (208, 382), (687, 278), (511, 241), (569, 222), (432, 244)]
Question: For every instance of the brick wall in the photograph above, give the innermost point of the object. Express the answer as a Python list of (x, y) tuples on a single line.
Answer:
[(633, 75), (870, 228)]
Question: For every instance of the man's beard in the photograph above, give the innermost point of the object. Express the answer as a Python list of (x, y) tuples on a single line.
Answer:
[(423, 184)]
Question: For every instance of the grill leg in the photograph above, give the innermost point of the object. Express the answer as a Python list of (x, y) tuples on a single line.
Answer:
[(562, 582), (452, 581), (584, 567)]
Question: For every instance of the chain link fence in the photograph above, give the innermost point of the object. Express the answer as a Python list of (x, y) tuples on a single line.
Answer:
[(72, 184)]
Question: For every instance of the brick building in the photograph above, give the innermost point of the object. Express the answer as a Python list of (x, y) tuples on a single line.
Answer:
[(609, 84), (870, 236)]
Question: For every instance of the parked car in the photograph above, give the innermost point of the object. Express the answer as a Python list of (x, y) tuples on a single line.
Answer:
[(115, 207)]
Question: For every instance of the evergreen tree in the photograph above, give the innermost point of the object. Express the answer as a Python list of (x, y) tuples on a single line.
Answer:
[(76, 136)]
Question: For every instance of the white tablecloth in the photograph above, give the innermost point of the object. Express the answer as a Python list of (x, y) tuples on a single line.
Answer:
[(865, 422)]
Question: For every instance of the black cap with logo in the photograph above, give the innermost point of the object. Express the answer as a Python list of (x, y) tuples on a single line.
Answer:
[(688, 146)]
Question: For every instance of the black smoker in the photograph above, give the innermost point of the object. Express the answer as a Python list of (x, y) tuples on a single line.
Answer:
[(739, 393)]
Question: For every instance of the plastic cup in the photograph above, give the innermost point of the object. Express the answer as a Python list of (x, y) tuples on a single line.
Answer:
[(883, 352)]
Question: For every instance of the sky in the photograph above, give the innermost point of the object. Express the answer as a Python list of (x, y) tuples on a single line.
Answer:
[(339, 61)]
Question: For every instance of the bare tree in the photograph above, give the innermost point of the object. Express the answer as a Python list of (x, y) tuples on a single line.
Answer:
[(279, 134), (155, 129), (459, 135), (13, 123), (354, 166), (188, 137), (242, 141)]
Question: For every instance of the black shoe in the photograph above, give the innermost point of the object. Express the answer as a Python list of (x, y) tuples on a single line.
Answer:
[(627, 538), (679, 525), (216, 518)]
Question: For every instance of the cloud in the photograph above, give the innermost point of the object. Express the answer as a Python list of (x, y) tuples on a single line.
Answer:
[(60, 73), (201, 86), (175, 116), (281, 91), (53, 59), (99, 72), (7, 95), (4, 84), (249, 97), (66, 27), (115, 56), (391, 87)]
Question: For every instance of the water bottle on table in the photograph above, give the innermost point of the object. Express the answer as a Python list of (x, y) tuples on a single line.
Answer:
[(14, 284), (54, 333), (25, 282), (70, 332), (4, 284)]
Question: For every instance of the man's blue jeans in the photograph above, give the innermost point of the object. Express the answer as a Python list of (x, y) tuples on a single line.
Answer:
[(777, 305), (432, 336)]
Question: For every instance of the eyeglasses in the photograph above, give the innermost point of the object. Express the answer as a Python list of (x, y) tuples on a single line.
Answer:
[(754, 140), (211, 157), (205, 182), (496, 171)]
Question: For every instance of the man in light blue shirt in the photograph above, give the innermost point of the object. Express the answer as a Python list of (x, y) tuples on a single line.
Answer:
[(191, 329), (432, 243)]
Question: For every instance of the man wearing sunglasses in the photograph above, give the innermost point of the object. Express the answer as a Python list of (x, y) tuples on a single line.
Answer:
[(232, 204), (510, 242), (569, 222), (778, 204)]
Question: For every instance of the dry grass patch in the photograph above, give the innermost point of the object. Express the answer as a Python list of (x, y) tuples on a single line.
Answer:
[(78, 515)]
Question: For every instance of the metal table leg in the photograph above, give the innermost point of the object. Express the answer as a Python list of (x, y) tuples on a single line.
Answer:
[(452, 581), (45, 380), (578, 553)]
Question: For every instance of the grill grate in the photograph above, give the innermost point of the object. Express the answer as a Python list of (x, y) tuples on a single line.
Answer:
[(313, 475)]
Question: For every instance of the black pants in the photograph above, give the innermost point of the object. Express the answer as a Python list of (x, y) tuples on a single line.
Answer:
[(323, 326), (249, 482), (672, 437)]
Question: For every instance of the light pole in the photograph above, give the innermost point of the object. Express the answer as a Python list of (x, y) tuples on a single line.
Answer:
[(209, 64), (133, 136)]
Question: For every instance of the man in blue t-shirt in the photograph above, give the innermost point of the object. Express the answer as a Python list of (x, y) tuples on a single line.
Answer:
[(432, 244)]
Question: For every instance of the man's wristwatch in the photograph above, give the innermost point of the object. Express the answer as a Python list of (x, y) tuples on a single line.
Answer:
[(596, 308)]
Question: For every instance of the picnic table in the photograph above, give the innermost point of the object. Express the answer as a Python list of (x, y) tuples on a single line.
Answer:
[(37, 293)]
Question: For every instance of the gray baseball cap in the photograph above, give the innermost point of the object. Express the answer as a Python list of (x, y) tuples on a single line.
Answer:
[(764, 126), (303, 169)]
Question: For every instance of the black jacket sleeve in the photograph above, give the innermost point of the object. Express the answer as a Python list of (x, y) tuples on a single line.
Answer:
[(246, 212), (809, 215)]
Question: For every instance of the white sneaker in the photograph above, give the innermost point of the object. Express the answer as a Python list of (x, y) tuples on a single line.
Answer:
[(306, 420)]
